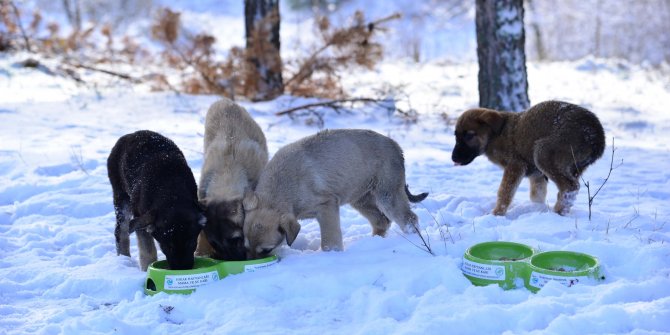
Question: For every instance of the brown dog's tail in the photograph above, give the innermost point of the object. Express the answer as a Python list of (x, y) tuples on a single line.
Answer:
[(415, 198)]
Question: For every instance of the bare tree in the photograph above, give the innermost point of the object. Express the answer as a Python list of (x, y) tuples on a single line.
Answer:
[(264, 73), (73, 12), (503, 83), (534, 25)]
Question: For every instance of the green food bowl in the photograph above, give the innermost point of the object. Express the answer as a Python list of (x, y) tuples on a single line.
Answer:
[(566, 267), (502, 263), (253, 265), (205, 270)]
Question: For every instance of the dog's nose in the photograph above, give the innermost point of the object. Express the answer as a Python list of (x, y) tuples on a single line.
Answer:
[(251, 255), (181, 264)]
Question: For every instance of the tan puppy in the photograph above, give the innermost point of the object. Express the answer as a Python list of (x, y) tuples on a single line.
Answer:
[(553, 139), (235, 154), (314, 176)]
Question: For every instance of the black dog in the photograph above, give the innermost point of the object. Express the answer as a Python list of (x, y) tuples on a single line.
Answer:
[(155, 197)]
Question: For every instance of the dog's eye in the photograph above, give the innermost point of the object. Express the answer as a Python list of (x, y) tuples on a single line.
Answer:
[(468, 135), (265, 251)]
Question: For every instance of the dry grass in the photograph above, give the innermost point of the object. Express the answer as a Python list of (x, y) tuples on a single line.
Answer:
[(192, 55)]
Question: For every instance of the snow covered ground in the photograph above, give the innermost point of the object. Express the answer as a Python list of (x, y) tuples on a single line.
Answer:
[(59, 272)]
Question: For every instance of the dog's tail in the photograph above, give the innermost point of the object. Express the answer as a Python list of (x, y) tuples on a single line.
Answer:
[(415, 198)]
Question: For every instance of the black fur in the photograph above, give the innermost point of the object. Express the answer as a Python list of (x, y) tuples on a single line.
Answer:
[(223, 234), (464, 153), (415, 198), (153, 184)]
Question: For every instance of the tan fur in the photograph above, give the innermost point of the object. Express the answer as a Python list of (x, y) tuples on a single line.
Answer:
[(314, 176), (553, 139), (235, 154)]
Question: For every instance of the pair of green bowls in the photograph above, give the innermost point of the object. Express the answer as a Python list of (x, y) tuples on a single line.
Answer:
[(205, 271), (514, 265)]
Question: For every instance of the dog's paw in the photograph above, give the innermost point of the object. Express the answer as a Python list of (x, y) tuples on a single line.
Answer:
[(499, 211), (562, 211), (331, 248)]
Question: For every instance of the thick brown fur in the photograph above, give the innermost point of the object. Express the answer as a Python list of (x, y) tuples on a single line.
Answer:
[(553, 139), (235, 154), (313, 177)]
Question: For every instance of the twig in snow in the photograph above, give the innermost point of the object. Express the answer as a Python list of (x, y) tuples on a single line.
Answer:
[(439, 227), (426, 242), (426, 247), (76, 158), (587, 184)]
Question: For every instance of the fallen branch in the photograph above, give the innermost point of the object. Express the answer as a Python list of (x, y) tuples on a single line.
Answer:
[(332, 104), (108, 72)]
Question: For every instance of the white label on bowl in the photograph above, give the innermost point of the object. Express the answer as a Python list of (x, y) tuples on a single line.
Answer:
[(254, 267), (483, 271), (183, 282), (538, 280)]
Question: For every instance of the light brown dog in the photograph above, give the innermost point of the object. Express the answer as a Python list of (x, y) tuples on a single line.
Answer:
[(553, 139), (313, 177), (235, 154)]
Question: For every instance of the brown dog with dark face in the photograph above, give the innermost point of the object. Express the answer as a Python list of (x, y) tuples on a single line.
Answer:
[(553, 139), (235, 154)]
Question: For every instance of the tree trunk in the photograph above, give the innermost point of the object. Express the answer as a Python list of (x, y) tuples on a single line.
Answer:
[(263, 80), (503, 83), (73, 12), (596, 52), (537, 32)]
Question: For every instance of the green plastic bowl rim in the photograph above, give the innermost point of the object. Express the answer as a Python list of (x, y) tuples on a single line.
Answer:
[(592, 261), (469, 251)]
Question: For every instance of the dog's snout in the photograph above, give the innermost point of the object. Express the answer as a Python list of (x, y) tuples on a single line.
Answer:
[(251, 255), (181, 264), (463, 155)]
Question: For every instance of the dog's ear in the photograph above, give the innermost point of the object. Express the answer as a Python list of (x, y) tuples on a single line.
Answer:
[(493, 119), (289, 226), (250, 201), (144, 222)]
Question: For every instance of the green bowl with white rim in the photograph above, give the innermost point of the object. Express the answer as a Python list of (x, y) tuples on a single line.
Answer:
[(565, 267), (501, 263), (205, 271)]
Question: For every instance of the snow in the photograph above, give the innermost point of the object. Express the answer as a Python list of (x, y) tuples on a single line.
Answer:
[(59, 272), (510, 24)]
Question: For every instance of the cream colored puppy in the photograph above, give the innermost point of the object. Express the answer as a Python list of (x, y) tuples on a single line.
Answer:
[(235, 154), (314, 176)]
